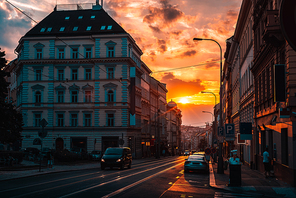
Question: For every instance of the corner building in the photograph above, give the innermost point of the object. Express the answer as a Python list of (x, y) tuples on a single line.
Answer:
[(81, 72)]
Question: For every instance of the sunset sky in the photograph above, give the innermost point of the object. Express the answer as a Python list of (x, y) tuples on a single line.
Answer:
[(164, 30)]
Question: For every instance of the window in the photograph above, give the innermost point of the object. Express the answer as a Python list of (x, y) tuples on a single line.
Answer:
[(37, 97), (74, 96), (109, 27), (49, 29), (103, 27), (67, 18), (75, 28), (93, 16), (74, 119), (60, 96), (87, 74), (80, 17), (37, 119), (110, 52), (60, 119), (74, 74), (88, 28), (61, 74), (62, 29), (61, 53), (74, 53), (39, 53), (87, 96), (38, 74), (87, 119), (110, 96), (42, 29), (110, 73), (110, 121), (88, 52)]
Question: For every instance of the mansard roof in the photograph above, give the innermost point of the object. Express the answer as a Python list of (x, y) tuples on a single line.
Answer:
[(88, 22)]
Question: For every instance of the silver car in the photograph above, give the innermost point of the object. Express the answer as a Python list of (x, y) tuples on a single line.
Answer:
[(196, 163)]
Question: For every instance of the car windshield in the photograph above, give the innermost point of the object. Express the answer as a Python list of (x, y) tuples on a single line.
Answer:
[(195, 158), (114, 151)]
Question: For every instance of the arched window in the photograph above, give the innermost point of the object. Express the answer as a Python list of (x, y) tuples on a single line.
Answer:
[(37, 97), (110, 96)]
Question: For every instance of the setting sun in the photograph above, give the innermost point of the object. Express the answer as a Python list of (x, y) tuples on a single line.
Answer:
[(183, 100)]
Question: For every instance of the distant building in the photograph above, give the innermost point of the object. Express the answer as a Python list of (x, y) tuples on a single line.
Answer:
[(82, 72)]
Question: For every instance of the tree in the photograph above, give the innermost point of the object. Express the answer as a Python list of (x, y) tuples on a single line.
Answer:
[(11, 121)]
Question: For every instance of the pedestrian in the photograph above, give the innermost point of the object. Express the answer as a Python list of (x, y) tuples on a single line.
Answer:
[(234, 160), (266, 163), (163, 153), (49, 159)]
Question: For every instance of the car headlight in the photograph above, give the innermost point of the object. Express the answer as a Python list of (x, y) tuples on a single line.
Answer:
[(119, 160), (102, 160)]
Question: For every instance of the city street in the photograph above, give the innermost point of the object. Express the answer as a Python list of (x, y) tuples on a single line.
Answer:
[(163, 178)]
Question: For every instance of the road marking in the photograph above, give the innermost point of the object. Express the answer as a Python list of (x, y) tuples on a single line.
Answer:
[(171, 183), (181, 172), (178, 177), (118, 191), (138, 182), (212, 175)]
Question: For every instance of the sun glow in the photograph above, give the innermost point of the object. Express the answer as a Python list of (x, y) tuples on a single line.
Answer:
[(183, 100)]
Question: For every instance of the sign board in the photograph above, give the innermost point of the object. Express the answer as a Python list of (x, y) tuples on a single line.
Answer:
[(245, 129), (214, 150), (221, 131), (37, 141), (229, 131), (43, 123), (284, 112), (239, 140), (42, 133), (208, 151)]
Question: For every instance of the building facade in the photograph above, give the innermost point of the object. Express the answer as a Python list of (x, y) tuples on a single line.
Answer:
[(82, 72)]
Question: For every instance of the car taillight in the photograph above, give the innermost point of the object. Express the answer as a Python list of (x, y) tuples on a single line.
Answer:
[(187, 162)]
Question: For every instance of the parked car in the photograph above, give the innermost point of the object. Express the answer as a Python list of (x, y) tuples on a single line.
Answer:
[(195, 163), (186, 152), (81, 152), (95, 155), (117, 157)]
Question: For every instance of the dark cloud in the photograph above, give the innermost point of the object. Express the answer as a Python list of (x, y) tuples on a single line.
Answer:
[(155, 29), (180, 88), (213, 62), (186, 54), (232, 14), (12, 27), (162, 45), (164, 16), (177, 33)]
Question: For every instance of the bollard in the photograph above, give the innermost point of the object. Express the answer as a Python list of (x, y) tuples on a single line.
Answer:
[(235, 178)]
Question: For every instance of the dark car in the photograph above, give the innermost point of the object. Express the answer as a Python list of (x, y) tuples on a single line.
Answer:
[(196, 163), (117, 157)]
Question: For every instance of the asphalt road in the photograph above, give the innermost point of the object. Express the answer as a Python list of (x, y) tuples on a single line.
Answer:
[(163, 178)]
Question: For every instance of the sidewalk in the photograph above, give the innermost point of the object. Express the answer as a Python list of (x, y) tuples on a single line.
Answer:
[(29, 168), (252, 182)]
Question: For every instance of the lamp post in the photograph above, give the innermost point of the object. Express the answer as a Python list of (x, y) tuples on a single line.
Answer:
[(220, 159), (210, 113), (211, 93)]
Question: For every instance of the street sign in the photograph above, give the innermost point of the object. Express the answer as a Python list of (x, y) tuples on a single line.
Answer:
[(214, 150), (208, 151), (37, 141), (42, 133), (229, 131), (239, 140), (43, 122), (221, 131), (245, 129)]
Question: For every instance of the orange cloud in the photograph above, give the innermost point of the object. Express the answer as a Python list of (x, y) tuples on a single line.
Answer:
[(180, 88)]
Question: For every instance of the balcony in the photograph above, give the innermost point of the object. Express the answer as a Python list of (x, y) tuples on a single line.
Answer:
[(272, 32)]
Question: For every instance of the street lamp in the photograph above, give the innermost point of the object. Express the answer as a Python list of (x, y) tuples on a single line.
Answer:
[(211, 93), (220, 159), (210, 113)]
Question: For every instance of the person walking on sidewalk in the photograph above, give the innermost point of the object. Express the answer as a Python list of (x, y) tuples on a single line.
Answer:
[(266, 163)]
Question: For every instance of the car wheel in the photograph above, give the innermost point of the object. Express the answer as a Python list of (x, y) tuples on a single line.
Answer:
[(130, 165), (102, 167)]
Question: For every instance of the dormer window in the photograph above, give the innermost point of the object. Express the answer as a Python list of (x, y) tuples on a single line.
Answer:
[(49, 29), (67, 18), (42, 29), (88, 28), (93, 16), (80, 17), (109, 27), (103, 27), (62, 29), (75, 28)]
